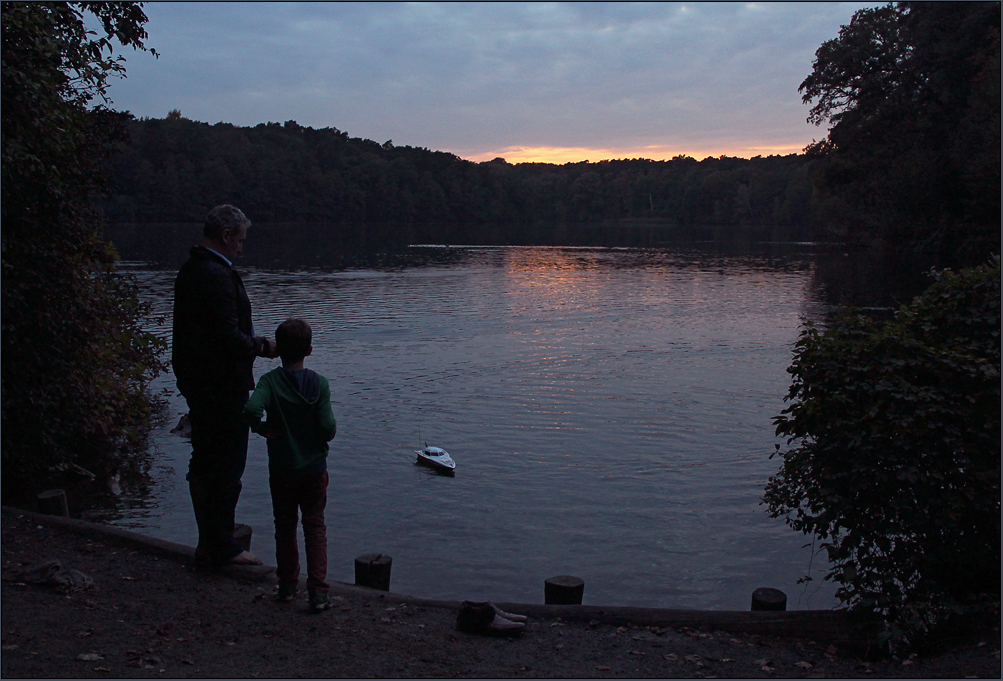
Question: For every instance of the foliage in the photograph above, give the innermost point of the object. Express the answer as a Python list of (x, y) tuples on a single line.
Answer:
[(75, 360), (175, 169), (897, 459), (912, 93)]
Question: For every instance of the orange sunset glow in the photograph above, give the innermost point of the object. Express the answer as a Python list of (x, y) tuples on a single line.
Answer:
[(560, 155)]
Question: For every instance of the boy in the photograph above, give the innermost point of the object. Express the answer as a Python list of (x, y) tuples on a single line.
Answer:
[(300, 425)]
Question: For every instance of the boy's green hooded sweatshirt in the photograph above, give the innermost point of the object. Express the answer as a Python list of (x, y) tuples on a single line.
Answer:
[(305, 427)]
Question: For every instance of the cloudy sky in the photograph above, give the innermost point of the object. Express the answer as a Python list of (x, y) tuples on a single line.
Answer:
[(526, 81)]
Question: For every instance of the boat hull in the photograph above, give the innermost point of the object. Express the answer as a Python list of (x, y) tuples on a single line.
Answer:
[(439, 461)]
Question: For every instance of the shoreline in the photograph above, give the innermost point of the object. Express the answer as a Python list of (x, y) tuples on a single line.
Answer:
[(838, 626), (144, 587)]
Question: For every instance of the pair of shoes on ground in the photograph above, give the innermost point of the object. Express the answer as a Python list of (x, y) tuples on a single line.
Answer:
[(487, 619), (319, 602)]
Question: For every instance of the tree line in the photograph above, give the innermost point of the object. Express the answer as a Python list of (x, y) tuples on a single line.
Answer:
[(174, 169)]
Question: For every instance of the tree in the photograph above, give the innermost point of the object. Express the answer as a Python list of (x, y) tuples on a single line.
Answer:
[(75, 360), (896, 466), (912, 93)]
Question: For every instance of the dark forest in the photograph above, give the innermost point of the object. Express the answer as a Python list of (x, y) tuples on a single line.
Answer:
[(175, 169)]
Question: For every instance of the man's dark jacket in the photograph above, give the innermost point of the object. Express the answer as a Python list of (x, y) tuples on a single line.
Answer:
[(213, 348)]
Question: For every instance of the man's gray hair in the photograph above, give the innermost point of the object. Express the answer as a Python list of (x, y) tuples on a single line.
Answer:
[(224, 217)]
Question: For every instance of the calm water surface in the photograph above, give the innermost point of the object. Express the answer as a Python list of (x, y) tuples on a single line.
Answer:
[(609, 411)]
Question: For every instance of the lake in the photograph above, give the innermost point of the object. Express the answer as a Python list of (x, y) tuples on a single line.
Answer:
[(610, 412)]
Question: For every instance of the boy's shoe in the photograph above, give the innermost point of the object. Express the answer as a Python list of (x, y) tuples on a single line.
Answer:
[(319, 602), (286, 592)]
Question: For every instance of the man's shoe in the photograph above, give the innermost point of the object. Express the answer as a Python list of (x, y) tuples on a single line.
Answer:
[(319, 602), (245, 558), (286, 593)]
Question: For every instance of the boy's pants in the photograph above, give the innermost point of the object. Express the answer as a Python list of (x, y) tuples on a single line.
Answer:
[(291, 492)]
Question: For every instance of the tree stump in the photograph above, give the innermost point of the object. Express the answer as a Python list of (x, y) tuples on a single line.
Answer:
[(373, 570), (53, 502), (242, 533), (563, 590), (765, 598)]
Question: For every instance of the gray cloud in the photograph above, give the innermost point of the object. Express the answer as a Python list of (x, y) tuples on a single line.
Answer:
[(482, 76)]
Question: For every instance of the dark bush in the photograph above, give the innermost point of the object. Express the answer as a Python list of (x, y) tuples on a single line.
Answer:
[(896, 457), (76, 358)]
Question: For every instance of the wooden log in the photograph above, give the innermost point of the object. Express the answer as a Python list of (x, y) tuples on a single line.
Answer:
[(563, 590), (53, 502), (242, 533), (373, 570), (765, 598)]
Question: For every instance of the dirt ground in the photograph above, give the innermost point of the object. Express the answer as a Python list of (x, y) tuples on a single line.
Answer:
[(148, 616)]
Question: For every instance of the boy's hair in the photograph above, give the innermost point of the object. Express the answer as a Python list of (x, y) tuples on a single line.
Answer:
[(293, 338)]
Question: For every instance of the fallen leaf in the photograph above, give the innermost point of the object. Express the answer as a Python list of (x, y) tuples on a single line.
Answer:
[(726, 659), (672, 657), (12, 646), (805, 665), (832, 650), (761, 663), (602, 669), (906, 663), (636, 652), (89, 657), (101, 669)]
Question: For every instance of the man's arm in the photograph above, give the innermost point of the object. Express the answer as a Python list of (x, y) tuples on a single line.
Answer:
[(255, 407), (221, 301)]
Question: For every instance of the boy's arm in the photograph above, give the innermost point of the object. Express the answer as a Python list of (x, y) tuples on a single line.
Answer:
[(328, 426)]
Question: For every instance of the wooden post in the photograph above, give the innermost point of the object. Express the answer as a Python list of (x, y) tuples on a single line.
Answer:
[(563, 590), (765, 598), (242, 533), (53, 502), (373, 570)]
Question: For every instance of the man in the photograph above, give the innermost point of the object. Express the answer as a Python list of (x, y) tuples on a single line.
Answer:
[(213, 355)]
